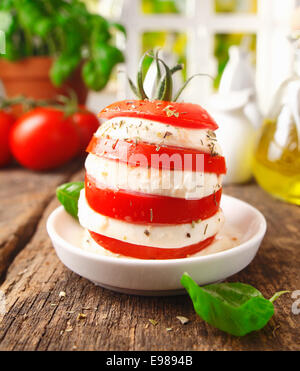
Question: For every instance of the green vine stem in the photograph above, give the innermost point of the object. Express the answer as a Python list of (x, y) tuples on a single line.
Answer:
[(140, 79), (9, 102), (181, 90), (67, 104), (164, 91)]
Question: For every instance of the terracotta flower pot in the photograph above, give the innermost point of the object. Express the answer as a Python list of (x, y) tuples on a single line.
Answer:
[(30, 77)]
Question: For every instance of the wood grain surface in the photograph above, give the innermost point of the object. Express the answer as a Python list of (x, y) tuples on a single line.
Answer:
[(24, 196), (92, 318)]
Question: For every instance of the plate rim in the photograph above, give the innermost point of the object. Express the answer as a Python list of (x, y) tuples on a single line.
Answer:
[(140, 262)]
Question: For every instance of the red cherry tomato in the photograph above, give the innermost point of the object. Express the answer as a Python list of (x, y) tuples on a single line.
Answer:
[(139, 208), (128, 152), (87, 124), (6, 122), (186, 115), (146, 252), (44, 139)]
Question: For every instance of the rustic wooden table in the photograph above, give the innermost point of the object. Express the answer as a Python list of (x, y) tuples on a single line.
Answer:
[(32, 277)]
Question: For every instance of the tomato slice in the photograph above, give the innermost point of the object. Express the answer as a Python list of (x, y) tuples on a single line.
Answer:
[(186, 115), (128, 153), (139, 208), (146, 252)]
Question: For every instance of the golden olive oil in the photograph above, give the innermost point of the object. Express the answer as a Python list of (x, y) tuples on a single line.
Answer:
[(277, 159)]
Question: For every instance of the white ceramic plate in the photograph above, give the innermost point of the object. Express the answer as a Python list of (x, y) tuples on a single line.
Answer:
[(159, 277)]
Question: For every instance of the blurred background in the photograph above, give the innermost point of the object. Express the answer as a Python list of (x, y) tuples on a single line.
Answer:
[(200, 34), (249, 47)]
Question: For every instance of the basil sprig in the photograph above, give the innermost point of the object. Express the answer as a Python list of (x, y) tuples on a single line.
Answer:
[(235, 308), (68, 195), (66, 31)]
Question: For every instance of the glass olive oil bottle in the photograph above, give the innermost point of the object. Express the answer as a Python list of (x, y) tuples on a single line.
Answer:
[(277, 158)]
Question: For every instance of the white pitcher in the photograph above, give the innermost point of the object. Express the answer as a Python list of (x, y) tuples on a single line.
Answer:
[(236, 134), (239, 75)]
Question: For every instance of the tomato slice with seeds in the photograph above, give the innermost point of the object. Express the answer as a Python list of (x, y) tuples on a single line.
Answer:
[(139, 208), (146, 252), (184, 159), (185, 115)]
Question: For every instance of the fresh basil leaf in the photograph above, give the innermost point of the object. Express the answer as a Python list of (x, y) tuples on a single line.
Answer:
[(63, 67), (68, 195), (235, 308)]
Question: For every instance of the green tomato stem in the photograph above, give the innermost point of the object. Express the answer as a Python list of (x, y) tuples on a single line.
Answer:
[(177, 96), (140, 79)]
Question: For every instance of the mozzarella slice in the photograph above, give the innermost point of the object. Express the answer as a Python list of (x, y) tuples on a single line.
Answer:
[(181, 184), (160, 134)]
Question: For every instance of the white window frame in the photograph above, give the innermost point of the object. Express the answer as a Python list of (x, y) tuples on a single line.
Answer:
[(201, 23)]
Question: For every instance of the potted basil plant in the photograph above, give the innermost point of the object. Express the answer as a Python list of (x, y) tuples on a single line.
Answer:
[(52, 46)]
